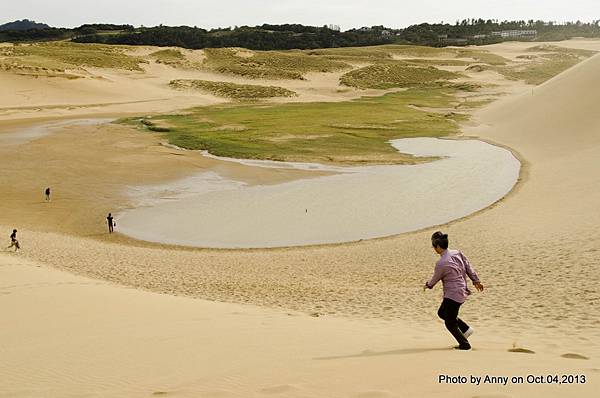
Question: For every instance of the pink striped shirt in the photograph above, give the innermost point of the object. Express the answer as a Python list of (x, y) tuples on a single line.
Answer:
[(452, 268)]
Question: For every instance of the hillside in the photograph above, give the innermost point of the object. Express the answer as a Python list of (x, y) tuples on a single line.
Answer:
[(23, 24)]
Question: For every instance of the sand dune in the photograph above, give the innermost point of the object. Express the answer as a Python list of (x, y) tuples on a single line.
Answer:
[(101, 340), (556, 130), (536, 251), (91, 90), (115, 91)]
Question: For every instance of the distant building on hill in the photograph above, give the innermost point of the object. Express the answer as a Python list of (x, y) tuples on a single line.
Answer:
[(334, 27), (452, 40), (504, 34), (511, 34)]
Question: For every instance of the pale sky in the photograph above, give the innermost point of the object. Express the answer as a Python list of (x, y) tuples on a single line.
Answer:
[(346, 13)]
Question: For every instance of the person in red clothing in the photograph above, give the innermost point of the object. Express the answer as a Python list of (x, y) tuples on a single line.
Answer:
[(452, 269)]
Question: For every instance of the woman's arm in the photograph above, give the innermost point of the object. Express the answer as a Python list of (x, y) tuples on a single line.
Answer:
[(471, 272), (438, 273)]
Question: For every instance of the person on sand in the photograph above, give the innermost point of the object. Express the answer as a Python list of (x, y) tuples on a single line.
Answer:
[(13, 241), (452, 269), (111, 223), (47, 192)]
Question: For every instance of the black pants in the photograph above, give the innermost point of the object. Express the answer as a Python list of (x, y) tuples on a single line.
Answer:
[(449, 313)]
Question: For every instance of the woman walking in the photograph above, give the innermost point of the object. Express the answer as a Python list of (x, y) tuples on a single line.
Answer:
[(452, 269)]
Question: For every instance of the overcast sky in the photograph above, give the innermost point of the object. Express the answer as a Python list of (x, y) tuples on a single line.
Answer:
[(346, 13)]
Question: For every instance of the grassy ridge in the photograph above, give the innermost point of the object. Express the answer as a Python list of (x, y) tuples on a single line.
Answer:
[(294, 64), (168, 56), (233, 90), (268, 64), (552, 61), (353, 54), (352, 132), (65, 55), (396, 74)]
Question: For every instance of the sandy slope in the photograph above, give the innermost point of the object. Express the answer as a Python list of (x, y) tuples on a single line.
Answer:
[(68, 336), (556, 130), (536, 251)]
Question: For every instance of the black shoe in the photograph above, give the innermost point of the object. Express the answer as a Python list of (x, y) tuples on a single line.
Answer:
[(463, 347)]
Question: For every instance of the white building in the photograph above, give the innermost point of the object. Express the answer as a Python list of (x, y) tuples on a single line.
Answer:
[(507, 34)]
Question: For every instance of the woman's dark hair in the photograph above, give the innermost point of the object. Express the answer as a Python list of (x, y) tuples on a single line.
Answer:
[(439, 239)]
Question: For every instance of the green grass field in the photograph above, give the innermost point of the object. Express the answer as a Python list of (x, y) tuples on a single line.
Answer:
[(245, 92), (351, 132)]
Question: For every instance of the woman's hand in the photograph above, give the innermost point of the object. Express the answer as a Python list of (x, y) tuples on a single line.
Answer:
[(478, 286)]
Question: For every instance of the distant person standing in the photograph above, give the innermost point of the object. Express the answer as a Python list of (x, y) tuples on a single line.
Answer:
[(452, 269), (111, 223), (47, 192), (13, 241)]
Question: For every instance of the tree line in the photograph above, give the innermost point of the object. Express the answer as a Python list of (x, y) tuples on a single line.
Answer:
[(265, 37), (471, 30), (296, 36), (50, 33)]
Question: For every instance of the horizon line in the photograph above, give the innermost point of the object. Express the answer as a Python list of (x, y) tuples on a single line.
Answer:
[(555, 22)]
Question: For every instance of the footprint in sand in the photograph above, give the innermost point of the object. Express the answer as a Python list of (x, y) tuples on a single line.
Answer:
[(492, 396), (571, 355), (521, 350)]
